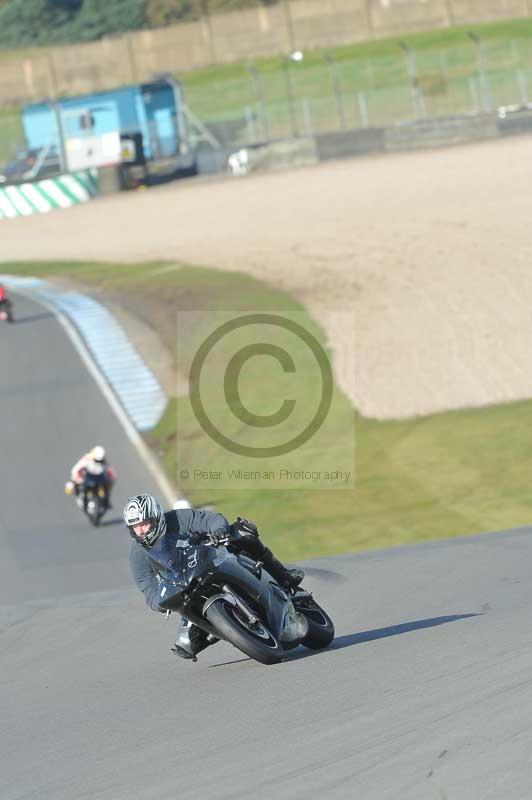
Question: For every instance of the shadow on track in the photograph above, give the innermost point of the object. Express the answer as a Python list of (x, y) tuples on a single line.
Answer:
[(228, 663), (352, 639), (327, 575)]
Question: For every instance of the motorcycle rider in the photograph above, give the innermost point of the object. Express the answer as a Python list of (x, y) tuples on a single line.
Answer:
[(93, 463), (147, 522)]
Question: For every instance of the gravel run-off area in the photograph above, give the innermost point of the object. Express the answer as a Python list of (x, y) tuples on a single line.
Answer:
[(431, 252)]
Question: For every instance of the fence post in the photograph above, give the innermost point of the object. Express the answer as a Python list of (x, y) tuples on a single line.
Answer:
[(307, 116), (521, 80), (481, 63), (290, 96), (415, 88), (335, 80), (53, 73), (289, 26), (131, 59), (516, 53), (371, 74), (450, 13), (474, 94), (250, 124), (369, 19), (257, 83), (207, 27), (363, 109)]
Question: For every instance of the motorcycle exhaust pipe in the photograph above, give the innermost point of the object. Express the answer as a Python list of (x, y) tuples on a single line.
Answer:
[(235, 601), (239, 603)]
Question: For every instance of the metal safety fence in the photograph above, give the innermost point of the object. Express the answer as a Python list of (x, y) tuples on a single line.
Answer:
[(304, 95)]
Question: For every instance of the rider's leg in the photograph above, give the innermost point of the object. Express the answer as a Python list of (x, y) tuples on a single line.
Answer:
[(290, 578), (79, 495)]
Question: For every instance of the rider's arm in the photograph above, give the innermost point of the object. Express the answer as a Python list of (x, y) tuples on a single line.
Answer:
[(144, 576), (75, 472), (201, 521)]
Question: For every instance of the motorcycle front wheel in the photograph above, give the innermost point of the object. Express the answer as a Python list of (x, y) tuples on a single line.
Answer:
[(256, 641)]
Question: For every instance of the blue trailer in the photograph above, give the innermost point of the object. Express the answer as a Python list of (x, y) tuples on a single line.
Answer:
[(150, 113)]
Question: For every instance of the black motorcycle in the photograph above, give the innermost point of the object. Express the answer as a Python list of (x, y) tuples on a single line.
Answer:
[(94, 493), (232, 597)]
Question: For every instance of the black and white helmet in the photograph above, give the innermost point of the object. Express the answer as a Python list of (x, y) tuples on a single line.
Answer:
[(145, 508)]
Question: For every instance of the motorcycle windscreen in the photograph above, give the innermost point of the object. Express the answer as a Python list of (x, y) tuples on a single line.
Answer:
[(177, 566), (180, 563), (167, 560)]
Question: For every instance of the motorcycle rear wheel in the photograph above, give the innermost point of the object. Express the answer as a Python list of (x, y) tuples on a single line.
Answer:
[(94, 515), (256, 642)]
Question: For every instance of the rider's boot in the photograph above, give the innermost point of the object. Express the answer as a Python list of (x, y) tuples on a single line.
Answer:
[(289, 578), (191, 640)]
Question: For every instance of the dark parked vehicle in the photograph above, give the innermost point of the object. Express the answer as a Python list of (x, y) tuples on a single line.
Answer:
[(30, 165)]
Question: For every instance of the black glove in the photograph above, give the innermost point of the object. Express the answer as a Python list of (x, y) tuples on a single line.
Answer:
[(218, 537), (245, 527), (198, 538)]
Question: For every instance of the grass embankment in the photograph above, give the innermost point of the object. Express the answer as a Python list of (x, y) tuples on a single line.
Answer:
[(495, 36), (434, 477)]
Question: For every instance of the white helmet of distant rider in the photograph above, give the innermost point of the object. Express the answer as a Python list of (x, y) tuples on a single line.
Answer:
[(98, 454)]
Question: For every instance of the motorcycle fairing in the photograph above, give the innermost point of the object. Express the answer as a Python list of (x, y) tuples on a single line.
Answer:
[(178, 565)]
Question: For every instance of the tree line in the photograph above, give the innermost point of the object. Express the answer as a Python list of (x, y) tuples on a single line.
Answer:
[(40, 22)]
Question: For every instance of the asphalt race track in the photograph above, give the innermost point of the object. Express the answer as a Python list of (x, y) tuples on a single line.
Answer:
[(425, 694), (51, 412)]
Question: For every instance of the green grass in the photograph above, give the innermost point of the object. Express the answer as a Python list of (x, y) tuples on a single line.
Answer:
[(495, 35), (434, 477)]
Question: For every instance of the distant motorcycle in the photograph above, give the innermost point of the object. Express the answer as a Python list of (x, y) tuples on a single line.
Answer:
[(232, 597), (6, 311), (94, 493), (92, 496)]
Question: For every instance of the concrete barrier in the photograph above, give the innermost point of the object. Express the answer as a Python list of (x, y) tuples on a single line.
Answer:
[(440, 131), (344, 144)]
